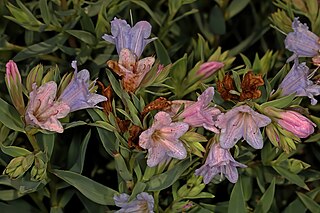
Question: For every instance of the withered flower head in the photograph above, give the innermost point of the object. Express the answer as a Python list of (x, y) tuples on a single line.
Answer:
[(106, 92), (249, 86), (225, 87), (158, 104)]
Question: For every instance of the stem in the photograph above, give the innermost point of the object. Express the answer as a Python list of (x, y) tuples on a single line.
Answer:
[(33, 142), (38, 202), (156, 200)]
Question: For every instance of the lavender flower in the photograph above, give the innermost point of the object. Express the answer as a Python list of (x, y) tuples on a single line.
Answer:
[(42, 111), (77, 94), (143, 203), (241, 121), (219, 160), (302, 42), (134, 39), (200, 114), (297, 81), (162, 139)]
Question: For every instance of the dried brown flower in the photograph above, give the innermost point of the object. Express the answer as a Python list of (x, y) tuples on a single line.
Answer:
[(249, 86)]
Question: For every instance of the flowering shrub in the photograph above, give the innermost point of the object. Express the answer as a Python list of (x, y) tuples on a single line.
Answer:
[(170, 112)]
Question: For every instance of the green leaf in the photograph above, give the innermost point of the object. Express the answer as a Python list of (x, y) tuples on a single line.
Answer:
[(281, 102), (45, 47), (153, 15), (166, 179), (94, 191), (14, 151), (45, 12), (84, 36), (122, 168), (266, 200), (74, 124), (179, 69), (217, 23), (235, 7), (309, 203), (237, 203), (296, 179), (10, 117), (46, 142), (298, 206), (162, 53)]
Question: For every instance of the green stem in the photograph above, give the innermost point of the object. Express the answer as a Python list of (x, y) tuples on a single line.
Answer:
[(156, 200), (33, 142), (38, 202)]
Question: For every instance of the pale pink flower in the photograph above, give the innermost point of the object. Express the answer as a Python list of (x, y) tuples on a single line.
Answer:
[(199, 113), (219, 161), (162, 139), (43, 111), (241, 121)]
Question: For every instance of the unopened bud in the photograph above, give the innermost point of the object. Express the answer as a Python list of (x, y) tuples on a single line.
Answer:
[(51, 75), (14, 85), (18, 166), (209, 68), (35, 76)]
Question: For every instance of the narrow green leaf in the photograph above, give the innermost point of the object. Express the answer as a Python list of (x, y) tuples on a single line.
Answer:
[(122, 167), (298, 206), (309, 203), (162, 53), (153, 15), (83, 36), (217, 23), (93, 190), (235, 7), (10, 117), (14, 151), (237, 203), (79, 163), (266, 200), (280, 102), (296, 179), (166, 179), (46, 142), (45, 12)]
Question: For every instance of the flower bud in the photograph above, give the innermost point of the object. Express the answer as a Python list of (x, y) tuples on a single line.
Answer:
[(39, 170), (18, 166), (209, 68), (14, 85), (296, 123), (35, 76), (273, 134), (51, 74)]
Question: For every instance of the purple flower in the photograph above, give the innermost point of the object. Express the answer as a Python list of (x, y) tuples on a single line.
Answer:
[(42, 111), (208, 68), (241, 121), (200, 113), (219, 161), (302, 42), (77, 94), (297, 81), (134, 39), (162, 139), (143, 203)]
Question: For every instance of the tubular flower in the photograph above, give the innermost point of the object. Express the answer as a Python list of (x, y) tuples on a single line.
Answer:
[(219, 160), (199, 113), (42, 111), (77, 94), (302, 42), (130, 70), (143, 203), (241, 121), (297, 81), (162, 139), (133, 38)]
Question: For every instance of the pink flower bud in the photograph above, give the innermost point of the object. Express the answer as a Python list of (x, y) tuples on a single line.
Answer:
[(14, 85), (296, 123), (209, 68), (12, 74)]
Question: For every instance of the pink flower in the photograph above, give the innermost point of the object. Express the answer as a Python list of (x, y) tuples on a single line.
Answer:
[(209, 68), (219, 160), (241, 121), (43, 111), (14, 85), (130, 69), (199, 113), (296, 123), (162, 139)]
